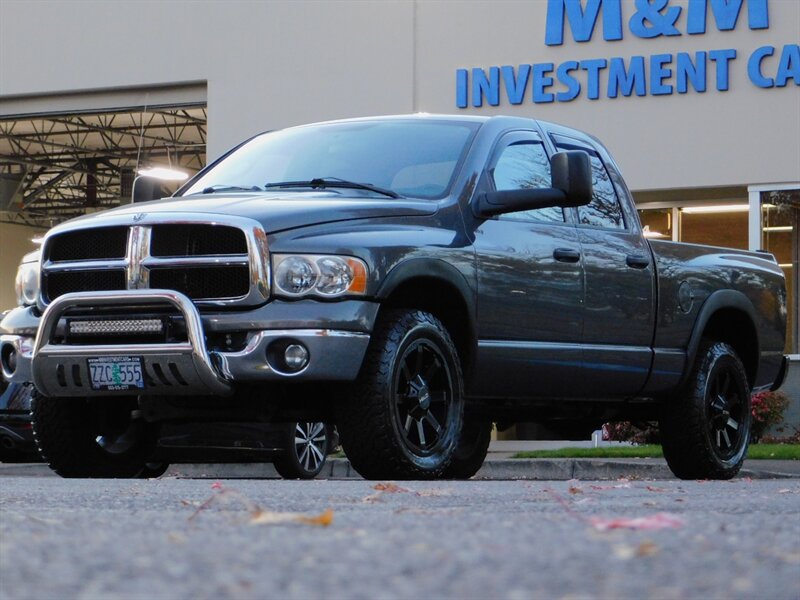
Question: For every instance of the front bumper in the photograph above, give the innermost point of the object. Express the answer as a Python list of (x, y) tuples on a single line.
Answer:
[(189, 367)]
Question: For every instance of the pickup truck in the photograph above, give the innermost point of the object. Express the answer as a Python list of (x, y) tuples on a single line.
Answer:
[(413, 280)]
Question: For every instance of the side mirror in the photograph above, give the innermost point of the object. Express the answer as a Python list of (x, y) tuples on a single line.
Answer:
[(571, 181), (571, 172), (146, 188)]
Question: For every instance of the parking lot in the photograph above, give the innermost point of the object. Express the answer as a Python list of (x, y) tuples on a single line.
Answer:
[(249, 538)]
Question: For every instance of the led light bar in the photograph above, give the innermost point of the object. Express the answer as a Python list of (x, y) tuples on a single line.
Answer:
[(111, 326)]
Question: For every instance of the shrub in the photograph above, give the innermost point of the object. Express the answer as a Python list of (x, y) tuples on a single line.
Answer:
[(636, 433), (767, 409)]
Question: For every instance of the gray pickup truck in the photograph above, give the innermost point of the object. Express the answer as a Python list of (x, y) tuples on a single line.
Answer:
[(412, 280)]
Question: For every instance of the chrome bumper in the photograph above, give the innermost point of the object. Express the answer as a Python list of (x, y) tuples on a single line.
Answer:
[(173, 369), (59, 369)]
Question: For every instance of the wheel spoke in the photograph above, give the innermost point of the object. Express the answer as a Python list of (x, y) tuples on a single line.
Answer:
[(409, 422), (420, 356), (299, 429), (727, 438), (719, 439), (316, 429), (433, 422), (421, 432), (299, 441), (405, 371), (431, 370), (317, 454), (304, 457), (733, 424)]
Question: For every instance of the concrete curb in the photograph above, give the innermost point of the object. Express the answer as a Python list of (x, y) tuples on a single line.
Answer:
[(539, 469)]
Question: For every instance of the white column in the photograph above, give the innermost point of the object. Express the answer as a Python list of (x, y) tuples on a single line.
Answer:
[(754, 219)]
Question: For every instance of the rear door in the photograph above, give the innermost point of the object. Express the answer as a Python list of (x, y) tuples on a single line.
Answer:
[(619, 308), (530, 284)]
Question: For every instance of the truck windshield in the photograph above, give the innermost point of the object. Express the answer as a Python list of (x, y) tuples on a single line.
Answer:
[(405, 157)]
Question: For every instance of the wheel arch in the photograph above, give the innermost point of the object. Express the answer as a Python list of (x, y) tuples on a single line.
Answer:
[(437, 287), (727, 316)]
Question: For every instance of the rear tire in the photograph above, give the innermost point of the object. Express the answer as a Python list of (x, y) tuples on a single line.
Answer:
[(403, 417), (706, 430), (471, 451), (78, 439), (306, 448)]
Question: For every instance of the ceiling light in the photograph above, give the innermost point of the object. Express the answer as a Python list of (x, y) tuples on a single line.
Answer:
[(721, 208), (778, 228), (164, 174)]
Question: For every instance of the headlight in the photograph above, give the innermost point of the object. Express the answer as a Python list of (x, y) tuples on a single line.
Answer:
[(26, 283), (322, 275)]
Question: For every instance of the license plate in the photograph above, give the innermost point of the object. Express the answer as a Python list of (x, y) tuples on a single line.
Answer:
[(116, 373)]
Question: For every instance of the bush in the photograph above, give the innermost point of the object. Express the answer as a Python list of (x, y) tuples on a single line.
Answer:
[(636, 433), (767, 409)]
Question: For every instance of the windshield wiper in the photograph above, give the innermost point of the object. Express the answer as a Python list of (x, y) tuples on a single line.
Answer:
[(332, 182), (228, 188)]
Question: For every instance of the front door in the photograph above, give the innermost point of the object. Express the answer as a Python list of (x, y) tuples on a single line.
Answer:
[(530, 285)]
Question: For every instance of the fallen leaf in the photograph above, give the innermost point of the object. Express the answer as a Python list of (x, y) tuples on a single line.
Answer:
[(575, 490), (268, 517), (389, 488), (216, 485), (657, 521), (646, 548)]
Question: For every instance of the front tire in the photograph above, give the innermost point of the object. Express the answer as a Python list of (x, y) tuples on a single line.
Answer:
[(103, 440), (471, 451), (404, 415), (706, 431)]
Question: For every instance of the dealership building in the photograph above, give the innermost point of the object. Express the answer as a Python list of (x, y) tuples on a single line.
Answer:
[(698, 100)]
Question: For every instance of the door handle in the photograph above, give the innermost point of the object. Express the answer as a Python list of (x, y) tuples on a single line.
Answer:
[(567, 255), (637, 261)]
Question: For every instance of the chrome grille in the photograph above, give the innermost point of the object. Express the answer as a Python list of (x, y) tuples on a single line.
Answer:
[(214, 264)]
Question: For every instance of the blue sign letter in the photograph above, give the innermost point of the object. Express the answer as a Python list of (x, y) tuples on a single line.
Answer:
[(789, 67), (754, 67), (582, 21), (540, 81), (687, 71), (619, 80), (573, 85), (462, 82), (482, 86), (726, 13), (516, 85), (722, 58)]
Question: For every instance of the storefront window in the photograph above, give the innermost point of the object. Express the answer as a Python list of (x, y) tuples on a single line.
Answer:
[(657, 223), (718, 225), (780, 221)]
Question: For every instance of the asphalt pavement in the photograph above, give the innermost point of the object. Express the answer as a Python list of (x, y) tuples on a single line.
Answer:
[(193, 538)]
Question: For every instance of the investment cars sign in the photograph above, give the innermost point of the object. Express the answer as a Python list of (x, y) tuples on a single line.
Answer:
[(655, 75)]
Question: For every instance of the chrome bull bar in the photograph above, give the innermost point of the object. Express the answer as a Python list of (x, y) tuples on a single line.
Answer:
[(179, 368)]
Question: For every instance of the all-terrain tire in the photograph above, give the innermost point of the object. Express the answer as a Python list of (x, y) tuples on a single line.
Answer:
[(69, 435), (706, 430), (471, 451), (409, 384)]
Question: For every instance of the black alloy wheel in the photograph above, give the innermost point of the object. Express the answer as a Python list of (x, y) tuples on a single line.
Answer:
[(403, 416), (306, 450), (706, 430), (423, 391), (81, 438)]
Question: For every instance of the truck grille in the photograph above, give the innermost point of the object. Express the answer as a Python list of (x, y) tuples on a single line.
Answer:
[(206, 282), (88, 244), (211, 263), (196, 240), (58, 283)]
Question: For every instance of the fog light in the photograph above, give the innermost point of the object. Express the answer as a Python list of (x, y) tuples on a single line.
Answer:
[(295, 356)]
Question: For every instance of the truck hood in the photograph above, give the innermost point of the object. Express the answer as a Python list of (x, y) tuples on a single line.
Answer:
[(276, 211)]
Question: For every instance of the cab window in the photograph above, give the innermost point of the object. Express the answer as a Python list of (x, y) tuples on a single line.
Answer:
[(525, 165)]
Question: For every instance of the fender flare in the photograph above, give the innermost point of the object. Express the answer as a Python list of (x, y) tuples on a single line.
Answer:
[(721, 299), (432, 268)]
